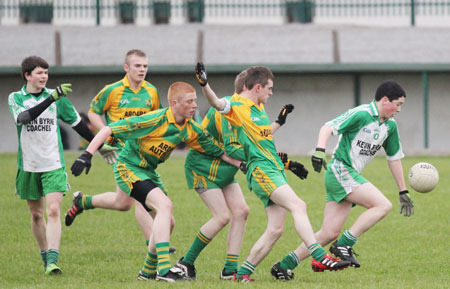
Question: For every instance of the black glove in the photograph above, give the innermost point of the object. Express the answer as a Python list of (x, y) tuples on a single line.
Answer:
[(319, 160), (285, 110), (283, 157), (406, 203), (82, 162), (243, 167), (298, 169), (200, 73)]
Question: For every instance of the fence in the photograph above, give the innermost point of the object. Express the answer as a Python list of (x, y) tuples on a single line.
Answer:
[(146, 12)]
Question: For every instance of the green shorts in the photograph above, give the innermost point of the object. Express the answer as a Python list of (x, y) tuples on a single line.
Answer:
[(340, 179), (127, 174), (33, 186), (204, 172), (264, 180)]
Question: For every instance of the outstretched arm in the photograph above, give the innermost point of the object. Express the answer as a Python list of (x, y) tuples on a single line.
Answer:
[(214, 101), (318, 159), (285, 110), (406, 202)]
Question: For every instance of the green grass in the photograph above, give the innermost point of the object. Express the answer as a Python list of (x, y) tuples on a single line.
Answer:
[(105, 249)]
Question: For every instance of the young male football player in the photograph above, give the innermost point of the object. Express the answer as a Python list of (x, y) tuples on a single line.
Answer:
[(131, 96), (363, 131), (265, 170), (150, 139), (41, 172)]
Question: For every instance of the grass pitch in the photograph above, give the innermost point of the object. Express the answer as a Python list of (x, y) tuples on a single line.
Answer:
[(105, 249)]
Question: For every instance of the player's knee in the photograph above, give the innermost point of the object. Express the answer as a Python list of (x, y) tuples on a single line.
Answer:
[(222, 218), (164, 206), (36, 215), (241, 213), (53, 210), (275, 232), (386, 207), (124, 206)]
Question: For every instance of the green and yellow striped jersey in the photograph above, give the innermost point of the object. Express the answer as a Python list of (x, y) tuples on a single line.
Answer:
[(119, 100), (150, 138), (253, 132)]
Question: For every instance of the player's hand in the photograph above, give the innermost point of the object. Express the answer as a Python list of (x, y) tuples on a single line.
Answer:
[(200, 73), (81, 163), (61, 90), (112, 140), (285, 110), (243, 168), (283, 157), (319, 160), (298, 169), (108, 153), (406, 203)]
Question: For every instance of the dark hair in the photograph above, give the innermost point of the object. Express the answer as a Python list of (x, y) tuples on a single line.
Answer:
[(391, 89), (258, 75), (30, 63), (137, 52)]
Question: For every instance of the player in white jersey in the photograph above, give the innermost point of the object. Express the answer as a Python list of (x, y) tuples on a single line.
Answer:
[(362, 131), (40, 159)]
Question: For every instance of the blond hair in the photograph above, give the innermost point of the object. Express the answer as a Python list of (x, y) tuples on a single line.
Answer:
[(136, 52)]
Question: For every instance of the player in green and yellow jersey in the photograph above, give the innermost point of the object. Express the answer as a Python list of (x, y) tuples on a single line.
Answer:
[(131, 96), (150, 139), (265, 175)]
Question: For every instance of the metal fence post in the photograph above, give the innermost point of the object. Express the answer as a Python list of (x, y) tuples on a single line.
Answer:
[(425, 107), (413, 12), (97, 7)]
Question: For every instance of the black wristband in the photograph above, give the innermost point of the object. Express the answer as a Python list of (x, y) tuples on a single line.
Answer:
[(87, 154), (403, 192), (320, 149)]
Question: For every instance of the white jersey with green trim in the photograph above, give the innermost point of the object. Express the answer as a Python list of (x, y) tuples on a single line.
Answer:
[(40, 146), (361, 136)]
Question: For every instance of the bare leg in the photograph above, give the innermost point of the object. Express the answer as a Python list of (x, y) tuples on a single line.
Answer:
[(119, 200), (53, 233), (38, 225)]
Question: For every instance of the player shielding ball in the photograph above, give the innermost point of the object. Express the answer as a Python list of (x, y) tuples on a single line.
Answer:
[(363, 131)]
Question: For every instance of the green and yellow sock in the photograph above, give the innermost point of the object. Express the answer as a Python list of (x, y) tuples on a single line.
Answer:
[(162, 251), (231, 263), (316, 251), (44, 256), (200, 242), (290, 262), (86, 202), (52, 256), (246, 268), (150, 265), (347, 239)]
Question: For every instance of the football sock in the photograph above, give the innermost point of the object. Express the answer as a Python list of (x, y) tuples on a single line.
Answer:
[(231, 264), (197, 246), (290, 262), (44, 256), (347, 239), (162, 250), (52, 256), (316, 251), (86, 202), (150, 265), (247, 268), (146, 242)]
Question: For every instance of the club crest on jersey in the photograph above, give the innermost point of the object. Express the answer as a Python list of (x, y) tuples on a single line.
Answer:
[(255, 118), (136, 125), (147, 102)]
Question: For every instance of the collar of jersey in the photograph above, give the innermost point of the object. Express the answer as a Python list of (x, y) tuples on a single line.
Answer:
[(126, 83), (171, 118), (246, 101), (25, 92), (374, 108)]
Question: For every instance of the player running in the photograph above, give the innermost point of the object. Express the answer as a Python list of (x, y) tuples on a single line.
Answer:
[(363, 131), (150, 139), (213, 179), (265, 175)]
